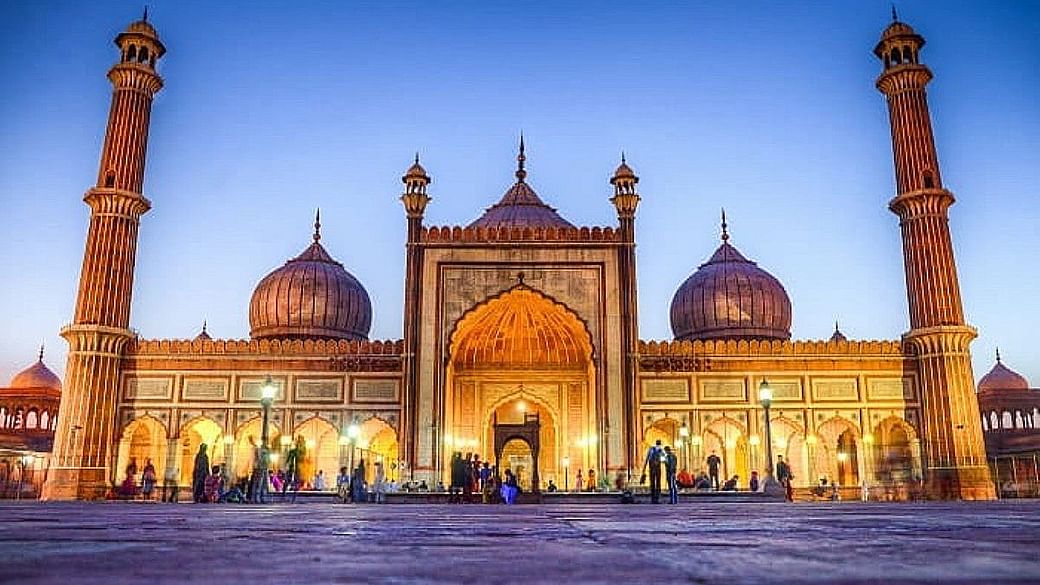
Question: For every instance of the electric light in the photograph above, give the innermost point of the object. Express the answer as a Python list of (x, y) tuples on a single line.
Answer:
[(781, 443), (268, 391), (810, 440), (566, 462), (521, 406), (448, 440), (229, 439), (696, 440), (731, 443), (754, 440), (310, 443), (842, 456), (353, 431), (765, 393), (272, 457), (344, 440), (868, 438), (684, 431)]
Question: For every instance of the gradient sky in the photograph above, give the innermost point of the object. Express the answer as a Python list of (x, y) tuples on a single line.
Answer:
[(766, 108)]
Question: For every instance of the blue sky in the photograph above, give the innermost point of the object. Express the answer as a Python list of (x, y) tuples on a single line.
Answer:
[(274, 108)]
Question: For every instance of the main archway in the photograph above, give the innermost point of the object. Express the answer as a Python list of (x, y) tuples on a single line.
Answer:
[(522, 350)]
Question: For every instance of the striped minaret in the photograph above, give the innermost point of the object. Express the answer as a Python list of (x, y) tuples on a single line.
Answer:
[(954, 454), (84, 443)]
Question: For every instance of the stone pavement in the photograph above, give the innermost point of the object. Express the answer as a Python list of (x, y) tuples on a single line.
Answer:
[(703, 542)]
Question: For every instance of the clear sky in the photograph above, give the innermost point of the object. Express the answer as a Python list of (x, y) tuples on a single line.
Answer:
[(766, 108)]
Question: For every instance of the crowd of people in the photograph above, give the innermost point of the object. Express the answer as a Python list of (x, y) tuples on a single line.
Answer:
[(660, 459)]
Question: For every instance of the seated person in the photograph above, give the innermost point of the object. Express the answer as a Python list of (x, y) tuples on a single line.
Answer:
[(703, 482), (684, 479), (820, 490), (551, 487), (731, 484)]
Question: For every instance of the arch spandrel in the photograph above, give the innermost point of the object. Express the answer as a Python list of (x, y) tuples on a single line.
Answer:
[(521, 329)]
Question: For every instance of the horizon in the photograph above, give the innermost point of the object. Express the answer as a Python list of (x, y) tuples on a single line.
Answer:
[(791, 139)]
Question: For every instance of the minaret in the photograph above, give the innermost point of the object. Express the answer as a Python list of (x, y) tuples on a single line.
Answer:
[(414, 199), (625, 200), (954, 452), (84, 444)]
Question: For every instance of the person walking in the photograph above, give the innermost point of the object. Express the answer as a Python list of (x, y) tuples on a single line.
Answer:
[(714, 462), (784, 476), (148, 479), (343, 485), (590, 485), (198, 475), (654, 455), (671, 464), (579, 482), (458, 478)]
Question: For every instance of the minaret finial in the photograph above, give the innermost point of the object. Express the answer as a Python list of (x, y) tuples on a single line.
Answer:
[(623, 161), (998, 355), (145, 17), (521, 174), (835, 325), (317, 225), (895, 17), (41, 352), (204, 327), (725, 232), (417, 157)]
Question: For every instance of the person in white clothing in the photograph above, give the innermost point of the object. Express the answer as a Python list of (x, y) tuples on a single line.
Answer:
[(319, 481), (379, 485)]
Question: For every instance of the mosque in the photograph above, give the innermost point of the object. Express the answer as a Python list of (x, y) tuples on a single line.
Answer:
[(520, 313)]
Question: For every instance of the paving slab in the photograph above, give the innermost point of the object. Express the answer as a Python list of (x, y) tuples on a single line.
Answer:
[(700, 542)]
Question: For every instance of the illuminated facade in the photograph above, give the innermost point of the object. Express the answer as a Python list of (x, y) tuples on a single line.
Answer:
[(521, 311)]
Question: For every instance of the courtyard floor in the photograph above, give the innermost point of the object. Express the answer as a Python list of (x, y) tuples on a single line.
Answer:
[(709, 542)]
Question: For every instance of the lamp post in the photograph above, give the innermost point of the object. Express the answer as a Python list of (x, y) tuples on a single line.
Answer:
[(684, 436), (765, 398), (566, 473), (352, 434), (267, 393)]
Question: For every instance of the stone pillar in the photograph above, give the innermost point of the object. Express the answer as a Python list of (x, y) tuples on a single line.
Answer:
[(625, 200), (100, 330), (954, 452)]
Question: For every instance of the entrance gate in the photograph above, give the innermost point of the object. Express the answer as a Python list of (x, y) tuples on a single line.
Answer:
[(528, 432)]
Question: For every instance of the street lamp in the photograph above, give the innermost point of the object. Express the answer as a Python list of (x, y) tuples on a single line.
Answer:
[(267, 394), (684, 436), (765, 398), (566, 473)]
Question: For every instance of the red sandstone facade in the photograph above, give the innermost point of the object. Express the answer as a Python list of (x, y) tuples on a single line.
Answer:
[(521, 311)]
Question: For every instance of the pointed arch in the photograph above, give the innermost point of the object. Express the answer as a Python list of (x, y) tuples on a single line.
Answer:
[(520, 328)]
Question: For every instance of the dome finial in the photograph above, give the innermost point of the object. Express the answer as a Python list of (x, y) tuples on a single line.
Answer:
[(836, 326), (204, 326), (725, 232), (317, 225), (998, 355), (417, 157), (41, 352), (521, 174), (623, 161), (895, 17), (145, 17)]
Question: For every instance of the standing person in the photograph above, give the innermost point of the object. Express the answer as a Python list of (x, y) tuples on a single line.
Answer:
[(753, 484), (198, 475), (343, 485), (358, 483), (714, 462), (293, 461), (653, 461), (591, 485), (319, 481), (579, 482), (510, 488), (467, 478), (379, 484), (148, 479), (170, 487), (671, 463), (458, 478), (485, 483), (784, 476)]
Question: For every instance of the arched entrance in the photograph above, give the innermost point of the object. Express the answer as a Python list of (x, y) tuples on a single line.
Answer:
[(143, 439), (521, 353), (194, 434), (321, 451), (377, 443), (517, 448), (247, 439), (728, 439)]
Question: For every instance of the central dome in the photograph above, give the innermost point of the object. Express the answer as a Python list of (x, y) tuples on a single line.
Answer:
[(520, 206), (730, 297), (37, 375), (311, 296)]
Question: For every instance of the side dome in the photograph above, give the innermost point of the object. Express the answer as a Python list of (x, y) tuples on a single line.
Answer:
[(37, 375), (1001, 377), (730, 297), (311, 296)]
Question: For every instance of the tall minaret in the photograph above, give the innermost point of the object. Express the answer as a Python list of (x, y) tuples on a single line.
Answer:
[(415, 199), (626, 199), (84, 443), (954, 452)]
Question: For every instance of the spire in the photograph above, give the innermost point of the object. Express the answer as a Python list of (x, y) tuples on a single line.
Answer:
[(145, 17), (725, 232), (836, 326), (998, 354), (521, 174), (41, 353), (895, 17), (317, 225), (204, 326), (623, 161), (417, 157)]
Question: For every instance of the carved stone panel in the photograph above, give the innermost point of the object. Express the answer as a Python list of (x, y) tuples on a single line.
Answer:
[(786, 390), (835, 389), (890, 389), (376, 390), (666, 390), (249, 388), (200, 389), (319, 390), (723, 390), (142, 388)]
